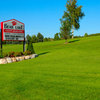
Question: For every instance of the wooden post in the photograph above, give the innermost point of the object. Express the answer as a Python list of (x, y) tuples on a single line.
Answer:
[(24, 41), (1, 42), (24, 45)]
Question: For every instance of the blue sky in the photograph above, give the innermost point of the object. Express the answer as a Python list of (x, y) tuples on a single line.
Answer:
[(43, 15)]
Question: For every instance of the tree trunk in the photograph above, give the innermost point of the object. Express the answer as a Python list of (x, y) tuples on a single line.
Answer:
[(66, 42), (72, 33), (70, 1)]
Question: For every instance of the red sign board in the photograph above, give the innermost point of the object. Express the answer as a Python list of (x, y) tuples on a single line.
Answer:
[(13, 30)]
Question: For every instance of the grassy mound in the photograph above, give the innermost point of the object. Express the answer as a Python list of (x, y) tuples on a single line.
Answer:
[(61, 72)]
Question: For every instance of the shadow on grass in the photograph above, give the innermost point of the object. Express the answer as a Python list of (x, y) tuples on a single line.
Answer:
[(43, 53), (73, 41)]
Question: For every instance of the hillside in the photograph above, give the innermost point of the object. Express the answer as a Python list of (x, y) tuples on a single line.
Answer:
[(61, 72)]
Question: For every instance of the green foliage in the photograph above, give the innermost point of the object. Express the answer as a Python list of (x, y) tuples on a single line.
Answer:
[(73, 14), (28, 38), (11, 54), (5, 54), (78, 36), (40, 37), (65, 29), (34, 39), (46, 39), (85, 35), (16, 54), (30, 47), (56, 36), (1, 56), (27, 53), (61, 36), (97, 34)]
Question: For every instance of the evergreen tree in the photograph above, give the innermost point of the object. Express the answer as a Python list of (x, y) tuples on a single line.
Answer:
[(30, 47), (34, 39), (73, 14), (40, 37), (28, 38), (56, 36), (85, 35)]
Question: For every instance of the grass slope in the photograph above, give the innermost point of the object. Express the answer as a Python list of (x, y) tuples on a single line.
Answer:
[(61, 72)]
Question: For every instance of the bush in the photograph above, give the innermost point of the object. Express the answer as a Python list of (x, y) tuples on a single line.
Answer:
[(1, 56), (16, 54), (85, 35), (27, 53), (28, 38), (11, 54), (5, 54), (30, 47)]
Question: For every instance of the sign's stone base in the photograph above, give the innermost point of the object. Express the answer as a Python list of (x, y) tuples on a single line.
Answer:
[(16, 59)]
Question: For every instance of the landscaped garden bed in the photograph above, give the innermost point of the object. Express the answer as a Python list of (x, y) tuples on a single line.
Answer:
[(16, 57)]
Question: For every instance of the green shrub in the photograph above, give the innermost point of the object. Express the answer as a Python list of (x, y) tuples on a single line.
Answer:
[(27, 53), (1, 56), (30, 47), (11, 54), (16, 54), (85, 35), (5, 55)]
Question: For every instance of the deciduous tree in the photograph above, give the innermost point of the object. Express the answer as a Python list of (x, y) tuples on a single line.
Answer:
[(56, 36), (65, 29), (73, 14)]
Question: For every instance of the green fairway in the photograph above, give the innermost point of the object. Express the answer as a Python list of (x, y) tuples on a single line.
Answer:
[(60, 72)]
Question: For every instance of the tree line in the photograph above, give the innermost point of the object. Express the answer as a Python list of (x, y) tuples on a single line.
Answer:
[(70, 21), (58, 36), (37, 38), (40, 38)]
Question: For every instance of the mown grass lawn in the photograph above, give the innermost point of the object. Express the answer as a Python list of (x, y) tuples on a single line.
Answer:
[(61, 72)]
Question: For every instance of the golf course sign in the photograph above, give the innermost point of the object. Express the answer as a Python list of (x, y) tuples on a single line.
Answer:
[(12, 30)]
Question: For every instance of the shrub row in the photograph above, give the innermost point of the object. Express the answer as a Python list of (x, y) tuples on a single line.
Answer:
[(16, 54)]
